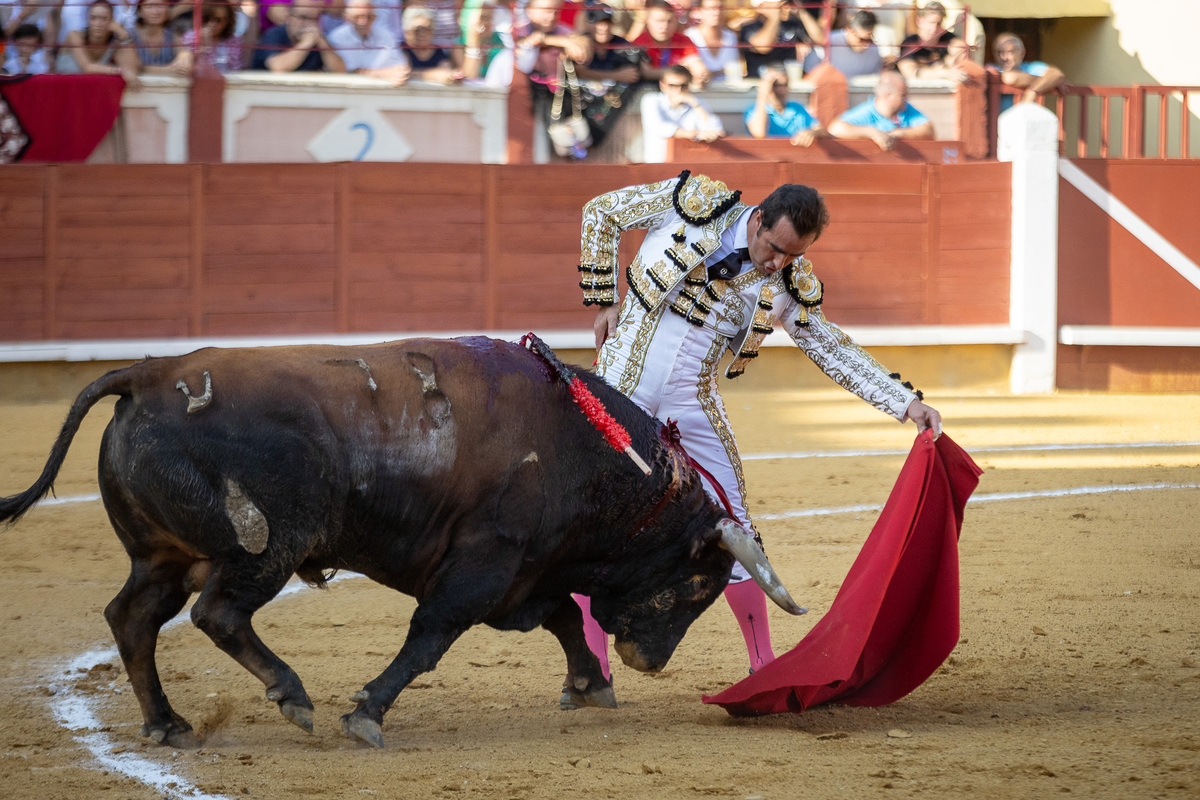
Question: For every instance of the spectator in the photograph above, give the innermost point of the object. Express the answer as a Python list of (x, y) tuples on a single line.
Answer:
[(446, 30), (891, 20), (780, 32), (852, 50), (72, 15), (933, 51), (155, 42), (272, 14), (885, 119), (20, 13), (614, 59), (1037, 78), (666, 46), (220, 45), (773, 115), (482, 42), (675, 113), (102, 48), (24, 54), (298, 45), (427, 61), (367, 48), (716, 44), (611, 77), (542, 39)]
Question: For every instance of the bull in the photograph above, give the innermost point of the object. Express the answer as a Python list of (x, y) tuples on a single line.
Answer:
[(456, 471)]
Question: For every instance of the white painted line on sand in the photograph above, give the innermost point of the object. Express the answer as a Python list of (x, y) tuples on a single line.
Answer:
[(1011, 448)]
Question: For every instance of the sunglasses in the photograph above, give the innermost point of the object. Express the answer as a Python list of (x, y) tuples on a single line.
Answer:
[(675, 85)]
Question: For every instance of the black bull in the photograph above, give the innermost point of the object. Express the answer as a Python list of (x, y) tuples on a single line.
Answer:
[(459, 472)]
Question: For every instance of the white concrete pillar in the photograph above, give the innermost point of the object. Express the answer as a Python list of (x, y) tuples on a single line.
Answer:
[(1028, 137)]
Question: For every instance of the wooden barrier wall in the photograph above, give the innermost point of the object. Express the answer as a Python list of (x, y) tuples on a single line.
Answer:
[(123, 251)]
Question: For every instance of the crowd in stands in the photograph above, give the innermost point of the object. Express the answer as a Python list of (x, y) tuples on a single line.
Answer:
[(583, 58)]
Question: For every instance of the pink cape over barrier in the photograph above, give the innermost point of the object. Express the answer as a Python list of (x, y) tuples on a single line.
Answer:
[(895, 619)]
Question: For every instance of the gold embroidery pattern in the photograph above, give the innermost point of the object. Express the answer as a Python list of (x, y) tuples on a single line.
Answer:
[(604, 219), (714, 409), (761, 323), (646, 327), (851, 367)]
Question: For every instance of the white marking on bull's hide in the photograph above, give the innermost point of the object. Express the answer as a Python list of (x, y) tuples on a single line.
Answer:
[(365, 368), (197, 403), (423, 454), (531, 458), (248, 521)]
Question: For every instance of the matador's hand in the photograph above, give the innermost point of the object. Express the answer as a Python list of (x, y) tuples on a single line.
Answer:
[(925, 416), (605, 325)]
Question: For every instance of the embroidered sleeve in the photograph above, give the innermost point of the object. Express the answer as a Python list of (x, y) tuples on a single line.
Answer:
[(839, 357), (604, 220)]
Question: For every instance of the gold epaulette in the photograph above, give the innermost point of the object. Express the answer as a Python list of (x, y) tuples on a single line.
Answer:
[(803, 287), (700, 199)]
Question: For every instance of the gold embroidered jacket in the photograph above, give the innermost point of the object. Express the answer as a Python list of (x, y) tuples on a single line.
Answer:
[(684, 219)]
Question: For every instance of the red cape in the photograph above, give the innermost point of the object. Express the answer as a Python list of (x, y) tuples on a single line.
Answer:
[(895, 619), (63, 116)]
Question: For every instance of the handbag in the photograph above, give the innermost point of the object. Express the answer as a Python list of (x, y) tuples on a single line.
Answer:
[(572, 137)]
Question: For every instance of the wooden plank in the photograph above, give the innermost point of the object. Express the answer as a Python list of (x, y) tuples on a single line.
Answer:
[(270, 180), (875, 208), (284, 323), (409, 209), (968, 208), (416, 179), (971, 314), (23, 243), (874, 315), (80, 304), (546, 320), (414, 296), (976, 235), (441, 237), (130, 328), (133, 240), (994, 178), (24, 180), (20, 271), (21, 301), (22, 329), (256, 209), (548, 210), (401, 321), (974, 262), (401, 267), (294, 239), (123, 180), (266, 267), (125, 273), (900, 239), (20, 211), (274, 298), (860, 178), (164, 211)]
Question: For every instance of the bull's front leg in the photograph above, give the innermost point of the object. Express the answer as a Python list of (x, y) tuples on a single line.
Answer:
[(460, 598), (585, 684)]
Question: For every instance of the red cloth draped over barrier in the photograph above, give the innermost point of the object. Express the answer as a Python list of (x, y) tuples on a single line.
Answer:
[(895, 619), (64, 116)]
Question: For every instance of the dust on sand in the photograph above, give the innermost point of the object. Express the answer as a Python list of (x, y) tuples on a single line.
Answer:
[(1077, 671)]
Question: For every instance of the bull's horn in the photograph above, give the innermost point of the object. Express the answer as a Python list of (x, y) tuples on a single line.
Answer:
[(750, 555)]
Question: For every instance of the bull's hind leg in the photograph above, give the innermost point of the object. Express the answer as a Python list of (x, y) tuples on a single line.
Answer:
[(234, 591), (155, 592), (585, 684)]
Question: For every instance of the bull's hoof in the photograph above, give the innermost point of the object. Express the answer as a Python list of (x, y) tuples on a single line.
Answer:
[(178, 735), (573, 699), (357, 726), (298, 715)]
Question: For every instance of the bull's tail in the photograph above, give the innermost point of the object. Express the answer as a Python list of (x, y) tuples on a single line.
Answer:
[(117, 382)]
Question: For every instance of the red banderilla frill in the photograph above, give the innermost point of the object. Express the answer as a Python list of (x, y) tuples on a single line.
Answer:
[(614, 433)]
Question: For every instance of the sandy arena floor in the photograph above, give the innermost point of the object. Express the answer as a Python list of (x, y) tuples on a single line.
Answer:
[(1078, 670)]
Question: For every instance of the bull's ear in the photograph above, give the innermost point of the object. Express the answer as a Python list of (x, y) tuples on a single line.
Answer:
[(704, 540)]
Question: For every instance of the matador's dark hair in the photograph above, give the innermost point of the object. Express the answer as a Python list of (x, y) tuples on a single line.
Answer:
[(802, 205)]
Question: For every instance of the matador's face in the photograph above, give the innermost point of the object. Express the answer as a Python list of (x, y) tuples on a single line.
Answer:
[(772, 249)]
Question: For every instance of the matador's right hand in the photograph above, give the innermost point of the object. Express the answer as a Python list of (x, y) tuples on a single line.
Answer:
[(606, 324)]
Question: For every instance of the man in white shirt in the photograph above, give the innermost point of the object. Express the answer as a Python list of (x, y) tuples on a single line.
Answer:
[(675, 113), (368, 48)]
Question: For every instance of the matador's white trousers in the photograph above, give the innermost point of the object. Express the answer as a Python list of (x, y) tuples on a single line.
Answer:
[(669, 368)]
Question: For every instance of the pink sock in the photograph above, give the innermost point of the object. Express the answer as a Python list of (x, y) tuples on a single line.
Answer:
[(749, 606), (597, 639)]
